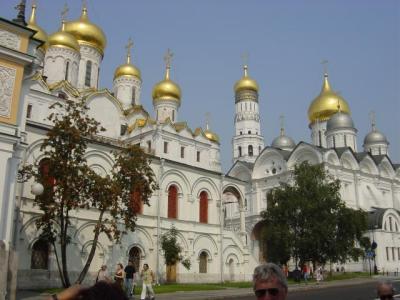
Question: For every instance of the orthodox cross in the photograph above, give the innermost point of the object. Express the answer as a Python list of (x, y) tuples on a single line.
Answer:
[(325, 64), (84, 3), (372, 118), (20, 19), (245, 58), (64, 11), (168, 58), (338, 101), (208, 115), (129, 46), (282, 121)]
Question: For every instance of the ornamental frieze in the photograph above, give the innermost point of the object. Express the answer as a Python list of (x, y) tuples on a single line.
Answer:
[(9, 39), (7, 80)]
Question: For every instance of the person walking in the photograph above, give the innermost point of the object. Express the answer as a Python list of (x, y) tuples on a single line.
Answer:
[(129, 279), (102, 275), (148, 279), (306, 273), (119, 275), (320, 276)]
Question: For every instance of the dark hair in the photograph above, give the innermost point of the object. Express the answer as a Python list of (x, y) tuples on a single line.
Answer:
[(119, 264), (103, 290)]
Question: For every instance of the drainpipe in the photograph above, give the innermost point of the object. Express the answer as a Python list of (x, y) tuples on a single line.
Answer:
[(221, 228), (160, 174)]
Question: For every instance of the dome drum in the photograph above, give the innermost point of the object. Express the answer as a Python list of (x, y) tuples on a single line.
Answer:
[(339, 121), (283, 142), (246, 95)]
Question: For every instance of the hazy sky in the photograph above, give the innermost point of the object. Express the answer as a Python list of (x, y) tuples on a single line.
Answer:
[(285, 40)]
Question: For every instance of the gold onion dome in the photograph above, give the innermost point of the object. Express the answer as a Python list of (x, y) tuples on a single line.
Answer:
[(40, 34), (246, 82), (212, 136), (86, 32), (166, 89), (63, 39), (128, 69), (326, 104)]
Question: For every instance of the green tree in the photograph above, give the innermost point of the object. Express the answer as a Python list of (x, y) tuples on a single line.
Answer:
[(308, 221), (172, 250), (71, 185)]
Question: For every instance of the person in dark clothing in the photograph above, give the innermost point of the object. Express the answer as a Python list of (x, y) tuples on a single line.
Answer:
[(130, 274)]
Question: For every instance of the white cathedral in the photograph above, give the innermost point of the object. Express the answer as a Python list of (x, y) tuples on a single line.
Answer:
[(216, 214)]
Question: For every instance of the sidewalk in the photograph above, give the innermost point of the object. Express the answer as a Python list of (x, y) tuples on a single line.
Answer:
[(223, 294)]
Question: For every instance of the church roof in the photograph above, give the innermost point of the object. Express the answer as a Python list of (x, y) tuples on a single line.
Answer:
[(375, 217)]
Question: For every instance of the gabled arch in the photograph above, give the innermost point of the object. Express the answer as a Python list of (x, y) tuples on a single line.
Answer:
[(304, 152), (386, 168), (104, 159), (208, 240), (235, 190), (348, 160), (241, 171), (269, 163), (331, 157), (174, 177), (206, 184), (367, 165)]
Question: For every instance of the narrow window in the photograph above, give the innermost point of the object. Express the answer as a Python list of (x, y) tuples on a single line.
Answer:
[(173, 115), (387, 253), (334, 142), (203, 262), (136, 201), (240, 151), (165, 147), (241, 133), (29, 111), (398, 253), (66, 70), (319, 138), (88, 73), (149, 146), (203, 207), (250, 150), (40, 255), (123, 129), (133, 96), (182, 152), (390, 224), (259, 149), (198, 156), (393, 254), (172, 202), (345, 140), (249, 132)]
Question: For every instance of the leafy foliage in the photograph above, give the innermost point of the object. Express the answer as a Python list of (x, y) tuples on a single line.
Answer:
[(172, 250), (309, 222), (71, 185)]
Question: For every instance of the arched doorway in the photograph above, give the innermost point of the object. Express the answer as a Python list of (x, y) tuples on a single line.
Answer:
[(134, 256), (257, 244), (40, 255), (203, 259), (233, 210), (231, 264)]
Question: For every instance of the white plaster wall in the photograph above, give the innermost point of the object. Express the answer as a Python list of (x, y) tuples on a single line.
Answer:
[(122, 87), (55, 64), (92, 54)]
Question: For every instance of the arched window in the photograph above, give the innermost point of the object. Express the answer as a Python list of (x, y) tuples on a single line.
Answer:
[(240, 151), (66, 70), (46, 177), (136, 201), (203, 207), (133, 96), (172, 202), (390, 224), (134, 256), (88, 73), (250, 150), (203, 262), (40, 255)]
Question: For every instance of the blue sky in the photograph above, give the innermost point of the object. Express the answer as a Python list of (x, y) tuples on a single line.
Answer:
[(285, 40)]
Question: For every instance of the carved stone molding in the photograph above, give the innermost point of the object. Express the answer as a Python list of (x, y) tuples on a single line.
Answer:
[(7, 80), (9, 39)]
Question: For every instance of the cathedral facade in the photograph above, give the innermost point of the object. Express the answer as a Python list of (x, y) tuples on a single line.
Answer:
[(216, 214)]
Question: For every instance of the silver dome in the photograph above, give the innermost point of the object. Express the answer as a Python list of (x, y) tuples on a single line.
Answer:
[(375, 137), (339, 120), (283, 142)]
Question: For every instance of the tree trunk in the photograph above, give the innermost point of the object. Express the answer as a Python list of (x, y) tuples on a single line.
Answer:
[(63, 243), (58, 265), (92, 250)]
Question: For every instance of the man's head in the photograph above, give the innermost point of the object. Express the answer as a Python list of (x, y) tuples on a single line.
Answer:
[(145, 266), (130, 263), (385, 290), (269, 282)]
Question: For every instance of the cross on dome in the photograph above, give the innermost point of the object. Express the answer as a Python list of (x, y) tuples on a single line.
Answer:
[(128, 48), (64, 11), (325, 64), (372, 118)]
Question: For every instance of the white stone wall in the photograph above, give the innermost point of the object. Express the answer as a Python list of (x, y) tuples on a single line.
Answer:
[(318, 130), (342, 138), (123, 87), (55, 62), (92, 54), (166, 109)]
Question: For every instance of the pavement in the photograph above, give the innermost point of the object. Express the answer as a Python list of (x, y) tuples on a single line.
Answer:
[(226, 293)]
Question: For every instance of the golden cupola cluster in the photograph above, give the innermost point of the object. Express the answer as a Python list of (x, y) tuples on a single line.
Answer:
[(128, 69), (63, 39), (167, 89), (246, 82), (326, 104), (86, 32), (40, 34)]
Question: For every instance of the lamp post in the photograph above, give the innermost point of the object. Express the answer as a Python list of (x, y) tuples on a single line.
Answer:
[(374, 246)]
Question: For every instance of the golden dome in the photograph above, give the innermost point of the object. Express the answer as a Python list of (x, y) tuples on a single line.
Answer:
[(63, 39), (246, 83), (166, 89), (127, 69), (211, 136), (40, 34), (326, 104), (86, 32)]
